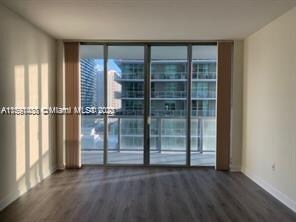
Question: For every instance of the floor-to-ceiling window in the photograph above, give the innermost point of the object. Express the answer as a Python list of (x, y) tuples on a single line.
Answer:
[(122, 88), (125, 89), (92, 95), (203, 105), (168, 105)]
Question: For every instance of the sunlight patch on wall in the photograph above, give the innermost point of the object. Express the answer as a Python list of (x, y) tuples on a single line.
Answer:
[(45, 103), (33, 119), (19, 78)]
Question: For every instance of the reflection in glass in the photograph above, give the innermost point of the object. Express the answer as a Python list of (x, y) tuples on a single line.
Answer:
[(126, 95), (92, 94), (168, 105), (203, 101)]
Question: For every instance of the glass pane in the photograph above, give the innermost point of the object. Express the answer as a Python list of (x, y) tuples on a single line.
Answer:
[(92, 94), (126, 96), (203, 122), (168, 105)]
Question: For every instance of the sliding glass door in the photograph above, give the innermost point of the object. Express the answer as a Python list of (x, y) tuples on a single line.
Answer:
[(125, 87), (168, 91), (203, 106), (92, 95), (168, 105)]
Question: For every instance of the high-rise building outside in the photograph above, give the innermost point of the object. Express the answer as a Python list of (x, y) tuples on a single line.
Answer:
[(88, 82), (168, 105)]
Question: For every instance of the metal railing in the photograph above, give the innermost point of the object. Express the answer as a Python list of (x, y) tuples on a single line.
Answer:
[(132, 94), (200, 93), (166, 76), (131, 76), (163, 131), (167, 113), (203, 113), (204, 75), (167, 94), (129, 112), (173, 113)]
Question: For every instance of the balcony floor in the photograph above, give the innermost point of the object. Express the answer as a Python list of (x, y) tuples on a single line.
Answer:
[(166, 158)]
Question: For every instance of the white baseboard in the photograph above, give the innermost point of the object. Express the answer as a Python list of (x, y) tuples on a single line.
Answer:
[(11, 197), (235, 168), (272, 190)]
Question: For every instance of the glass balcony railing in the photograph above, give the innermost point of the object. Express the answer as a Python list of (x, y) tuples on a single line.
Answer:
[(130, 76), (127, 132), (203, 113), (203, 75), (176, 113), (129, 112), (165, 113), (131, 131), (154, 94), (132, 94), (168, 94), (196, 94), (200, 93), (166, 76)]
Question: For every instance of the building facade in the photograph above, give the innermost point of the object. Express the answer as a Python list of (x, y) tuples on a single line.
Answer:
[(168, 105), (88, 82)]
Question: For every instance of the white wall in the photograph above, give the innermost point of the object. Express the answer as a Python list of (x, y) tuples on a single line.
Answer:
[(269, 109), (27, 78)]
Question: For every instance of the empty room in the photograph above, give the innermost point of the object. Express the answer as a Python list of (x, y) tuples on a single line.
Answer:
[(147, 110)]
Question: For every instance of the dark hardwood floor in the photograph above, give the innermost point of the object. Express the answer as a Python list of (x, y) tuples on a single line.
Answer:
[(146, 194)]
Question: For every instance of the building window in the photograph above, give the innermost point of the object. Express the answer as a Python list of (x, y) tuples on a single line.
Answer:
[(170, 106)]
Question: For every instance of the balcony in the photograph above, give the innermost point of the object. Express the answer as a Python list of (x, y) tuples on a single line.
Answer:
[(168, 113), (130, 112), (131, 94), (162, 113), (167, 136), (168, 94), (130, 77), (203, 113), (156, 157), (196, 94), (160, 127), (180, 113), (204, 76), (167, 76), (203, 93)]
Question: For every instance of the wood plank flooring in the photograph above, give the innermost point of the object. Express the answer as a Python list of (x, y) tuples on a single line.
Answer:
[(139, 194)]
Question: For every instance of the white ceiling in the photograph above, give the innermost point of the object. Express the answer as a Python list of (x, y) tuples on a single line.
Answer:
[(150, 19)]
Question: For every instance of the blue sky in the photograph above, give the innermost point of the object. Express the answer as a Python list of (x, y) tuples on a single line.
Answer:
[(111, 65)]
